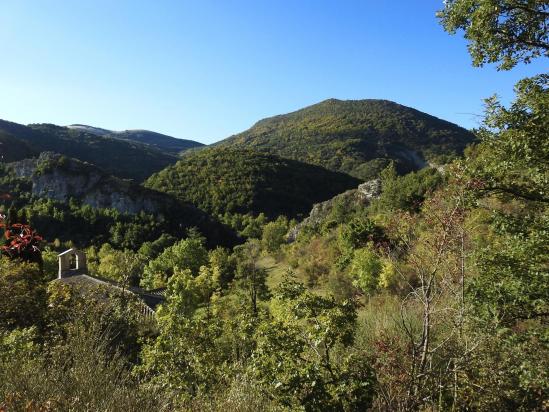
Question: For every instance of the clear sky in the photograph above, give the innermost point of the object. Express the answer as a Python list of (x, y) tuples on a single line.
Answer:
[(204, 69)]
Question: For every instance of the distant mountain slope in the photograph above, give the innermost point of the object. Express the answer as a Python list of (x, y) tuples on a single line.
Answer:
[(227, 180), (160, 141), (61, 178), (120, 157), (358, 137), (90, 129)]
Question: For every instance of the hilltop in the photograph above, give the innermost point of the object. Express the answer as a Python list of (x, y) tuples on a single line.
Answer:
[(235, 180), (358, 137)]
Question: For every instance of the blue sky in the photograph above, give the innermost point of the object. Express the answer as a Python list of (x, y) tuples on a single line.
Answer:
[(204, 70)]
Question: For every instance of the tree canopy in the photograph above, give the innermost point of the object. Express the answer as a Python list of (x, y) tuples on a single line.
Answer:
[(504, 32)]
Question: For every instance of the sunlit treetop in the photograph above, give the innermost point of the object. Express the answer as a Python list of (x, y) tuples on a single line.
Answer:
[(500, 31)]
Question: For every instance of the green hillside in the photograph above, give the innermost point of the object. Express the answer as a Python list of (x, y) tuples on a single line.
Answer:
[(220, 180), (122, 158), (358, 137)]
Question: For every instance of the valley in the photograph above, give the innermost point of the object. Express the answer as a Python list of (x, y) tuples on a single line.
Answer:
[(351, 255)]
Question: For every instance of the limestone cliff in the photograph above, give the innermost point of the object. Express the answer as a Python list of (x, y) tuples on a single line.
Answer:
[(60, 178)]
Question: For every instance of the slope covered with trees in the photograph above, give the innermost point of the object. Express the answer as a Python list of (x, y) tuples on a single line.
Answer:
[(358, 137), (119, 157), (225, 180), (13, 149)]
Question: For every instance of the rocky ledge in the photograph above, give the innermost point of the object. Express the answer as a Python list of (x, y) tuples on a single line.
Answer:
[(362, 195)]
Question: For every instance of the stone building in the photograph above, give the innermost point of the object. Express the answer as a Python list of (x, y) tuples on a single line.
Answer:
[(73, 271), (72, 262)]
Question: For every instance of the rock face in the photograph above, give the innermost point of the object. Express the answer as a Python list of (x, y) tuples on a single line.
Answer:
[(362, 195), (369, 190), (57, 177)]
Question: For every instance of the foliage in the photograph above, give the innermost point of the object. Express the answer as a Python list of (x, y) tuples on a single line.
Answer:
[(188, 254), (366, 269), (250, 278), (184, 358), (513, 284), (513, 158), (123, 266), (152, 249), (499, 31), (358, 232), (274, 234), (295, 360), (405, 192), (22, 294), (225, 263), (246, 225), (78, 373), (21, 242), (512, 370), (225, 180)]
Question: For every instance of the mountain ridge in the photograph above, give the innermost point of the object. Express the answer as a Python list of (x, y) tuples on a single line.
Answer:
[(358, 137), (120, 157), (169, 144)]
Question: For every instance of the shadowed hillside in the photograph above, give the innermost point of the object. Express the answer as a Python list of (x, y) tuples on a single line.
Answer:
[(120, 157), (221, 180)]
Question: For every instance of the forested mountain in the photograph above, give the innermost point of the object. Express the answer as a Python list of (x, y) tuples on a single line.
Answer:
[(226, 180), (358, 137), (161, 141), (68, 199), (122, 158)]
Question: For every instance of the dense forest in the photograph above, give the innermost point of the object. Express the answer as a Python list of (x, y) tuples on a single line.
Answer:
[(429, 294), (358, 137), (228, 181)]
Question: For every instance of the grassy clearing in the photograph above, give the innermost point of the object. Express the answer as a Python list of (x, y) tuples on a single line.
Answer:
[(275, 270)]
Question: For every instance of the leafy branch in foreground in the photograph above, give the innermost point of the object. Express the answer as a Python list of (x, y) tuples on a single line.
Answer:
[(500, 31)]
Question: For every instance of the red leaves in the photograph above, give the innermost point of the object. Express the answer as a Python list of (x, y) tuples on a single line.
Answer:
[(21, 240)]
